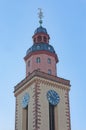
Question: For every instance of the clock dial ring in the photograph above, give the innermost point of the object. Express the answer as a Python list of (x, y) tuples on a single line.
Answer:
[(25, 100), (53, 97)]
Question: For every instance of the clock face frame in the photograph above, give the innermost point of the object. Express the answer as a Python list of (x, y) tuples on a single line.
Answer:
[(25, 100), (53, 97)]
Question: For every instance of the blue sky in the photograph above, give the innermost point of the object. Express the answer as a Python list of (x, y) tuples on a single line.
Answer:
[(65, 21)]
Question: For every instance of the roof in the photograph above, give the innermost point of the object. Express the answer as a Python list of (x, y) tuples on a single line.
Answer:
[(40, 30), (40, 47)]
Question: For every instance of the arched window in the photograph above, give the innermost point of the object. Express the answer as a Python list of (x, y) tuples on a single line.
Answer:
[(38, 60), (39, 38), (53, 99), (25, 119), (45, 39), (49, 61), (28, 63), (34, 40), (49, 71), (52, 116)]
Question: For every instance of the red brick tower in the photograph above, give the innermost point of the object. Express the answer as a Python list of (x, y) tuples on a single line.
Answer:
[(41, 56)]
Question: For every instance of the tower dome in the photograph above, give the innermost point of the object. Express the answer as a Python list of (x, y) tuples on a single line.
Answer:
[(40, 30), (41, 35), (40, 47)]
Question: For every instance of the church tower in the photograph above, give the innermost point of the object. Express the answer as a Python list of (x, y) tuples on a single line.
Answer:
[(42, 98)]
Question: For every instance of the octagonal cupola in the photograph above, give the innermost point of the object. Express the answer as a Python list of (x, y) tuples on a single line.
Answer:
[(40, 35)]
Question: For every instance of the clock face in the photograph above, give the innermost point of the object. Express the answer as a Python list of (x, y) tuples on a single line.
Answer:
[(25, 100), (53, 97)]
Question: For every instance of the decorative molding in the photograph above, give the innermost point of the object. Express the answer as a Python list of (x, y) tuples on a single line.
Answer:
[(36, 107), (67, 111), (55, 84), (16, 115), (41, 52), (36, 75)]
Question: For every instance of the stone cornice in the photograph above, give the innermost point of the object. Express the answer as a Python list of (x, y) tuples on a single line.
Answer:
[(43, 75)]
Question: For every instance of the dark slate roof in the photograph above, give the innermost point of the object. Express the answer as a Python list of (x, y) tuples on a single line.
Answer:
[(40, 29), (40, 47)]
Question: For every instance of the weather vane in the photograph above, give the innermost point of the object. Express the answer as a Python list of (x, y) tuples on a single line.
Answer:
[(40, 14)]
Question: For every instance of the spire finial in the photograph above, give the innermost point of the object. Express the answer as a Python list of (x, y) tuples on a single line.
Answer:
[(40, 14)]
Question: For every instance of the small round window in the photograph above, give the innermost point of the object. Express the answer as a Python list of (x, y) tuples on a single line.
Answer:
[(38, 47)]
